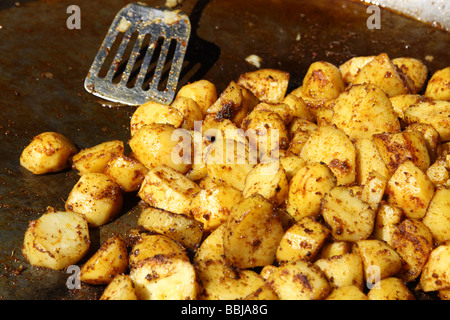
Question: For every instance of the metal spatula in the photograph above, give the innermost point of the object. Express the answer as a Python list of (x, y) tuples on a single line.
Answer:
[(141, 56)]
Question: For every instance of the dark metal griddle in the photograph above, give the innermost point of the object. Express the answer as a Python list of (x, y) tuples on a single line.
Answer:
[(43, 65)]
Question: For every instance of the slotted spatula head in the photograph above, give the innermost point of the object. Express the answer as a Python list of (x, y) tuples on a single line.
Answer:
[(141, 56)]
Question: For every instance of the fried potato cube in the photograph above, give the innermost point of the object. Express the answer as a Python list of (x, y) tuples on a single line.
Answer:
[(94, 159), (268, 85), (413, 241), (343, 270), (127, 172), (350, 68), (229, 103), (97, 197), (48, 152), (380, 260), (307, 188), (396, 148), (383, 73), (349, 218), (56, 240), (403, 101), (110, 260), (298, 107), (299, 280), (201, 91), (430, 135), (439, 173), (438, 86), (301, 131), (386, 222), (201, 144), (390, 289), (301, 124), (164, 278), (229, 161), (218, 279), (347, 293), (212, 206), (368, 160), (154, 112), (181, 228), (437, 216), (189, 109), (363, 110), (167, 189), (162, 144), (410, 189), (323, 81), (282, 109), (436, 273), (252, 234), (335, 248), (414, 69), (435, 113), (120, 288), (333, 147), (291, 164), (269, 180), (303, 241), (373, 189)]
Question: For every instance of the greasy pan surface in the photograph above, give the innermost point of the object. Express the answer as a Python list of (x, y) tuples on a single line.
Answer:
[(43, 65)]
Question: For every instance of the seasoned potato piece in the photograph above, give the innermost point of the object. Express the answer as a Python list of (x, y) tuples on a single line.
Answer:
[(291, 164), (213, 128), (94, 159), (107, 262), (414, 69), (380, 260), (219, 281), (299, 280), (265, 292), (386, 222), (189, 109), (154, 112), (167, 189), (212, 206), (438, 87), (298, 107), (332, 146), (97, 197), (151, 246), (164, 278), (430, 135), (120, 288), (373, 189), (350, 68), (201, 91), (56, 240), (435, 113), (178, 227), (282, 109), (252, 234), (413, 241), (383, 73), (229, 103), (410, 189), (390, 289), (347, 293), (302, 241), (201, 144), (229, 161), (436, 273), (349, 218), (162, 144), (335, 248), (403, 101), (127, 172), (343, 270), (268, 85), (364, 110), (439, 173), (266, 131), (323, 80), (396, 148), (48, 152), (437, 217), (368, 160), (269, 180), (303, 130), (307, 188)]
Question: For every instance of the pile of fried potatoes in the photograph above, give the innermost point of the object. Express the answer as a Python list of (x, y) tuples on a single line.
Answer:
[(338, 189)]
